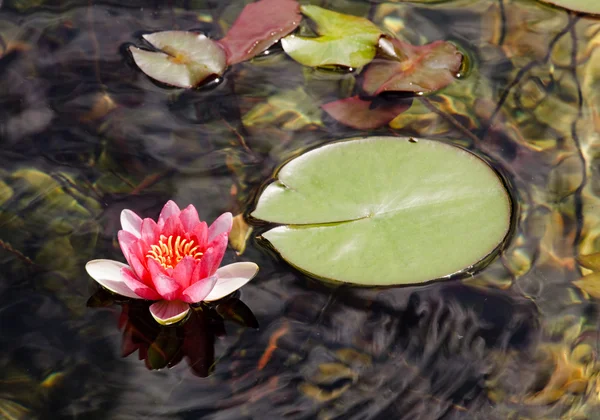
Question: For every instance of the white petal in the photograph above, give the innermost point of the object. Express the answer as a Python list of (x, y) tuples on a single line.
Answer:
[(223, 223), (231, 278), (108, 274), (167, 312), (131, 223)]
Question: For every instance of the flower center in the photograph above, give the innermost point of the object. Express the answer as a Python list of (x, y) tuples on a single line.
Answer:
[(171, 250)]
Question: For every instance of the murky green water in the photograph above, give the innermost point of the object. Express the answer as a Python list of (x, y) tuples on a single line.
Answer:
[(85, 134)]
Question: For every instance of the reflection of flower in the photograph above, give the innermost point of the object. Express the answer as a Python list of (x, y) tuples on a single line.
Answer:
[(173, 261), (161, 346)]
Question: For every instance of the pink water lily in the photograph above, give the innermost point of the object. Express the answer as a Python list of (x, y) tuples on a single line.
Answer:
[(174, 261)]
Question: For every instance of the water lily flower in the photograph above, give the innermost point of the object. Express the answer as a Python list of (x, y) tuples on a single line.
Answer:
[(174, 261)]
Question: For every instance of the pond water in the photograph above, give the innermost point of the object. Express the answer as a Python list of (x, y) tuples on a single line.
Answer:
[(85, 134)]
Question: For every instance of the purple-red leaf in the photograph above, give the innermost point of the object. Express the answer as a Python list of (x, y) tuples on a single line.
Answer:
[(417, 69), (364, 115), (259, 26)]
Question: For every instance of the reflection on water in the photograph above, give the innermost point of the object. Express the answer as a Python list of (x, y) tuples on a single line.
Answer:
[(160, 346), (84, 134)]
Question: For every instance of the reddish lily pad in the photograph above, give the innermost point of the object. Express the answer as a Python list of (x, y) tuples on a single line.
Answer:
[(344, 40), (259, 26), (416, 69), (362, 114), (186, 59)]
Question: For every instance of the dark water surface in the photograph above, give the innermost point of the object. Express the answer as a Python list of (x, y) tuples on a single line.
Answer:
[(85, 134)]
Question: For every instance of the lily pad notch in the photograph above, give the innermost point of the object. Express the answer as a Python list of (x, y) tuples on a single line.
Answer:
[(383, 211)]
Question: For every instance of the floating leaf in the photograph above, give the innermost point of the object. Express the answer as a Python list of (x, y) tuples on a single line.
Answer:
[(344, 40), (385, 210), (187, 58), (590, 261), (364, 115), (417, 69), (585, 6), (590, 284), (259, 26), (240, 232)]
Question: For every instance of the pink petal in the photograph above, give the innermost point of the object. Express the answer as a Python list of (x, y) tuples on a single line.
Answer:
[(128, 243), (212, 258), (150, 231), (166, 286), (199, 290), (173, 227), (219, 226), (169, 312), (170, 209), (182, 273), (363, 115), (259, 26), (204, 267), (230, 278), (218, 245), (200, 234), (155, 268), (108, 274), (140, 270), (189, 218), (137, 286), (131, 222)]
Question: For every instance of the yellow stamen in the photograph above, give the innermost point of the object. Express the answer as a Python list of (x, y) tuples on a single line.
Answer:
[(168, 254)]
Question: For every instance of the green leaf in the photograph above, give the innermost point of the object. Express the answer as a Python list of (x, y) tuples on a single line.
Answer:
[(344, 40), (385, 211), (585, 6)]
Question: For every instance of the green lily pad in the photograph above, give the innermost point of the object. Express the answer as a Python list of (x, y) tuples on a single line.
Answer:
[(386, 211), (585, 6), (344, 40)]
